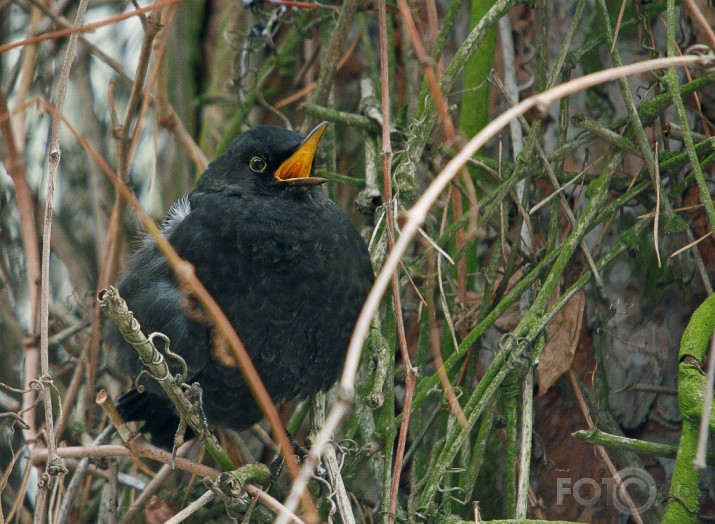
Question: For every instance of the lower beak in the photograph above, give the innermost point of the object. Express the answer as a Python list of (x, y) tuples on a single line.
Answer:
[(296, 169)]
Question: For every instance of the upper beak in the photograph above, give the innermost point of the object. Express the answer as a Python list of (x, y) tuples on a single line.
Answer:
[(296, 169)]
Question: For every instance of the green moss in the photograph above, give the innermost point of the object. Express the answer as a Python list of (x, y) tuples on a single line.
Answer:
[(596, 186), (684, 486), (630, 238), (690, 391), (684, 503), (475, 102), (699, 330), (676, 224)]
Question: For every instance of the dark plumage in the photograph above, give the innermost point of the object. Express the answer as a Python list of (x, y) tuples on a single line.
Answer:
[(282, 260)]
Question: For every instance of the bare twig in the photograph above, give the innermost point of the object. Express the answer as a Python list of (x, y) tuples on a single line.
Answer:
[(331, 463), (140, 447), (55, 465), (618, 25), (71, 395), (88, 28), (656, 218), (700, 19), (332, 55), (70, 497), (312, 85), (150, 490), (427, 69), (39, 455), (525, 446), (691, 244), (411, 372), (112, 486), (602, 451), (192, 508)]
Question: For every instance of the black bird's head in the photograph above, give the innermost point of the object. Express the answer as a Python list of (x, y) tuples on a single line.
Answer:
[(265, 157)]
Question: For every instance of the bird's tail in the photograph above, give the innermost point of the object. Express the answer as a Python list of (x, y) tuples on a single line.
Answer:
[(160, 418)]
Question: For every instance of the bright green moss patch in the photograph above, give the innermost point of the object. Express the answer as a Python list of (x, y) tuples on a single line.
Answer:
[(699, 330)]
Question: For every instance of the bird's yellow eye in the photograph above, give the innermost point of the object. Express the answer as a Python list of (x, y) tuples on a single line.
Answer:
[(257, 164)]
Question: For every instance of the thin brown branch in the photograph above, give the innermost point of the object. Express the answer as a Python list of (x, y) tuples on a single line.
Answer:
[(602, 451), (618, 25), (27, 74), (435, 343), (656, 218), (691, 244), (152, 28), (411, 372), (428, 70), (25, 202), (449, 134), (701, 21), (155, 484), (71, 395), (167, 17), (88, 28), (173, 123), (312, 85), (192, 508), (326, 78), (39, 455), (139, 447)]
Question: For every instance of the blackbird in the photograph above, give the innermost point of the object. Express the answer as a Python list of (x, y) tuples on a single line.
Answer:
[(282, 260)]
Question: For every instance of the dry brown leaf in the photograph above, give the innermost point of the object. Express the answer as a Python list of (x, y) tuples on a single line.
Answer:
[(158, 510), (561, 342)]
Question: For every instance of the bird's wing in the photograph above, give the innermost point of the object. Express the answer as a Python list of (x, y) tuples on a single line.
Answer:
[(152, 294)]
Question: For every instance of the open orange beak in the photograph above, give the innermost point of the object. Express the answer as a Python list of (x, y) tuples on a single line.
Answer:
[(296, 169)]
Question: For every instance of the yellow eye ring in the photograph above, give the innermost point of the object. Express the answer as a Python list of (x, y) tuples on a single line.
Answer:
[(257, 164)]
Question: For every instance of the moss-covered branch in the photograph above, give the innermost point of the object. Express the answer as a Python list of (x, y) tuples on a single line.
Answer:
[(114, 306), (684, 502)]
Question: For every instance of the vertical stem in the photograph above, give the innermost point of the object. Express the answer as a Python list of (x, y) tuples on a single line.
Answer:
[(449, 133), (16, 168), (478, 454), (113, 481), (55, 465), (330, 459), (326, 78), (683, 506), (671, 81), (512, 418), (390, 221), (527, 425)]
